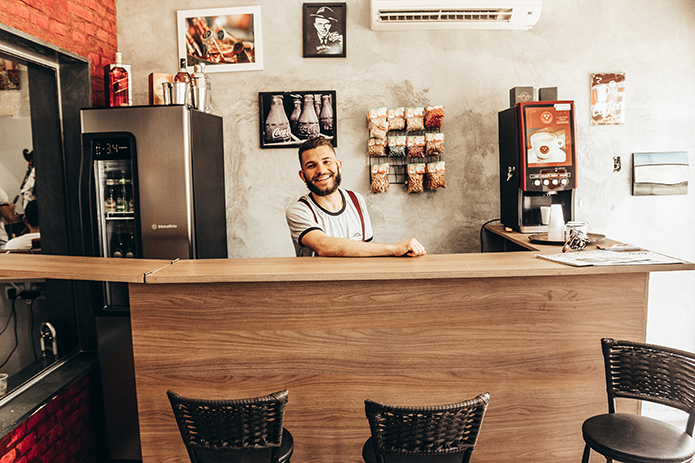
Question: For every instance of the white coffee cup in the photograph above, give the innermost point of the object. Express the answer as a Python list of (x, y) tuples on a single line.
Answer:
[(556, 225), (545, 144), (545, 215)]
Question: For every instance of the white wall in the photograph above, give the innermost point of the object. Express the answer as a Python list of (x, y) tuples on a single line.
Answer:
[(470, 72)]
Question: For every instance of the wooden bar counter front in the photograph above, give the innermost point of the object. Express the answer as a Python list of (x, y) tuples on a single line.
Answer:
[(431, 330)]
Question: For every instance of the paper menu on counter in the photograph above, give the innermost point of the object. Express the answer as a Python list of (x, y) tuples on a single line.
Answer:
[(589, 258)]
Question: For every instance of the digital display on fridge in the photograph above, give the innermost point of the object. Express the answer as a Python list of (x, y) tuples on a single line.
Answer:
[(547, 133)]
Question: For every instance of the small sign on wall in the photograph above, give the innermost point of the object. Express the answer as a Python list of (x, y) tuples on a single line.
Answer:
[(660, 173), (608, 98)]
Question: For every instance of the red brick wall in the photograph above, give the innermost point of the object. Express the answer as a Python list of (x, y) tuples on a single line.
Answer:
[(60, 432), (84, 27)]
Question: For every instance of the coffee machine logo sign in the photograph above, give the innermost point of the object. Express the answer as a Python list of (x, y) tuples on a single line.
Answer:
[(163, 226), (547, 117)]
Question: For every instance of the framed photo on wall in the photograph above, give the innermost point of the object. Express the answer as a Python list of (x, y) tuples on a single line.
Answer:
[(224, 39), (288, 119), (324, 27)]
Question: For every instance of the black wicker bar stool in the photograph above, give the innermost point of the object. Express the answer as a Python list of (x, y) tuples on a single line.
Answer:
[(235, 431), (643, 372), (436, 434)]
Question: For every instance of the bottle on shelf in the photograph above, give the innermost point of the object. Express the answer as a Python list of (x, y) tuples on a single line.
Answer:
[(130, 242), (122, 194), (110, 195), (117, 85), (116, 244), (200, 83), (181, 87)]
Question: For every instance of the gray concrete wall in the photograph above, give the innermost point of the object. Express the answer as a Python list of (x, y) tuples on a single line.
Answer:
[(470, 72)]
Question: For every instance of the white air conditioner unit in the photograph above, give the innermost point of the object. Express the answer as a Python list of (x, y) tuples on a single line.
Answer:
[(392, 15)]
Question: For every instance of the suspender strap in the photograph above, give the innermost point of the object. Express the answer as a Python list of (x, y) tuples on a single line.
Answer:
[(353, 197), (359, 210), (310, 208)]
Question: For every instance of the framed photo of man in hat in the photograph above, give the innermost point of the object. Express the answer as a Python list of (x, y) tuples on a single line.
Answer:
[(324, 29)]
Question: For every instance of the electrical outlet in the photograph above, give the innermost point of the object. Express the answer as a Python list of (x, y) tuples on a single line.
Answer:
[(12, 291)]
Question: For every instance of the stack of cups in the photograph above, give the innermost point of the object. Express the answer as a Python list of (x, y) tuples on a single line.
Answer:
[(556, 225)]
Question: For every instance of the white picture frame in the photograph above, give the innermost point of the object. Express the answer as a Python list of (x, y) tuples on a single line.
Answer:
[(234, 40)]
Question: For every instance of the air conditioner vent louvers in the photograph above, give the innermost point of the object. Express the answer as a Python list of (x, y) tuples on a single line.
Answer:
[(449, 15)]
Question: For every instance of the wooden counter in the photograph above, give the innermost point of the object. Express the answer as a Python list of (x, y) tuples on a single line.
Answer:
[(335, 331)]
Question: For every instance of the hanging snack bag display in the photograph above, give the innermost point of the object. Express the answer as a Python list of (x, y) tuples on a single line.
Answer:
[(434, 145), (376, 147), (378, 123), (397, 146), (396, 119), (416, 172), (434, 116), (416, 146), (434, 176), (415, 119), (380, 178)]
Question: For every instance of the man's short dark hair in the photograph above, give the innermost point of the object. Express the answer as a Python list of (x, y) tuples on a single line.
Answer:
[(314, 143), (31, 213)]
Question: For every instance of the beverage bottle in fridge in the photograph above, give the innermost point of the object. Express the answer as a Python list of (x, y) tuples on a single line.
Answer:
[(130, 242), (326, 117), (308, 123), (110, 195), (117, 83), (122, 194), (277, 126), (116, 245)]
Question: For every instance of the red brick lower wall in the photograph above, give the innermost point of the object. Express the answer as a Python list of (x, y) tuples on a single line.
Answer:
[(59, 432), (84, 27)]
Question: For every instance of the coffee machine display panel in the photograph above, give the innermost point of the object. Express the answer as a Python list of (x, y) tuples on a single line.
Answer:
[(547, 145)]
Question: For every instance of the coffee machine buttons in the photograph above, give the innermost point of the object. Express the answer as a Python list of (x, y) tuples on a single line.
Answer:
[(537, 182), (564, 181), (546, 182)]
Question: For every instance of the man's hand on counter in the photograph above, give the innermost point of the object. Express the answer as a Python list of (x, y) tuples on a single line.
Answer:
[(410, 248)]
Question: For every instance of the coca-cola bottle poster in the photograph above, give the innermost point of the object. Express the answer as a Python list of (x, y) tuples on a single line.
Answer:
[(288, 119)]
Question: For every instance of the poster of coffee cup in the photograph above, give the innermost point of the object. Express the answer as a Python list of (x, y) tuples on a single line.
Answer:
[(547, 147), (608, 98), (288, 119)]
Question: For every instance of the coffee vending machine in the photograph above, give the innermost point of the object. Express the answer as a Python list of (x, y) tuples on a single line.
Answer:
[(538, 163)]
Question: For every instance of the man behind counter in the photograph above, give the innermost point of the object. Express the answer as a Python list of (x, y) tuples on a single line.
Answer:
[(331, 221)]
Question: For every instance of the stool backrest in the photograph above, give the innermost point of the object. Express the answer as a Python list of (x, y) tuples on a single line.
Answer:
[(426, 431), (652, 373), (210, 427)]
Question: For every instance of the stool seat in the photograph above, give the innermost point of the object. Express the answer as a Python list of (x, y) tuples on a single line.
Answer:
[(640, 439)]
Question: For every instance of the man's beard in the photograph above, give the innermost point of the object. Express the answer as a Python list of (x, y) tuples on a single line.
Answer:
[(330, 190)]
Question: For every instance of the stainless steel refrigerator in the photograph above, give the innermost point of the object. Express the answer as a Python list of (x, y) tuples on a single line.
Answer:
[(153, 181)]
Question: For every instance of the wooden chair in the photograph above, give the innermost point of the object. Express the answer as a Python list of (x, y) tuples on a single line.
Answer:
[(644, 372), (437, 434), (239, 431)]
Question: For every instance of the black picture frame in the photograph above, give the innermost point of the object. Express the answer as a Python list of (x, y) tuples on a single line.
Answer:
[(334, 43), (272, 133)]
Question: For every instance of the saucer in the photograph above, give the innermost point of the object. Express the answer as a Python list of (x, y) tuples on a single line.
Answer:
[(542, 238)]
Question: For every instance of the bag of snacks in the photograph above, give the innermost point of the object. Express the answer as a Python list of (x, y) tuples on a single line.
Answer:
[(378, 123), (396, 118), (397, 146), (434, 176), (415, 119), (434, 116), (376, 147), (416, 173), (380, 178), (434, 145), (416, 146)]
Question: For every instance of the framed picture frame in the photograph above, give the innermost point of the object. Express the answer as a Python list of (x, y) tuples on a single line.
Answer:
[(324, 30), (224, 39), (288, 119)]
